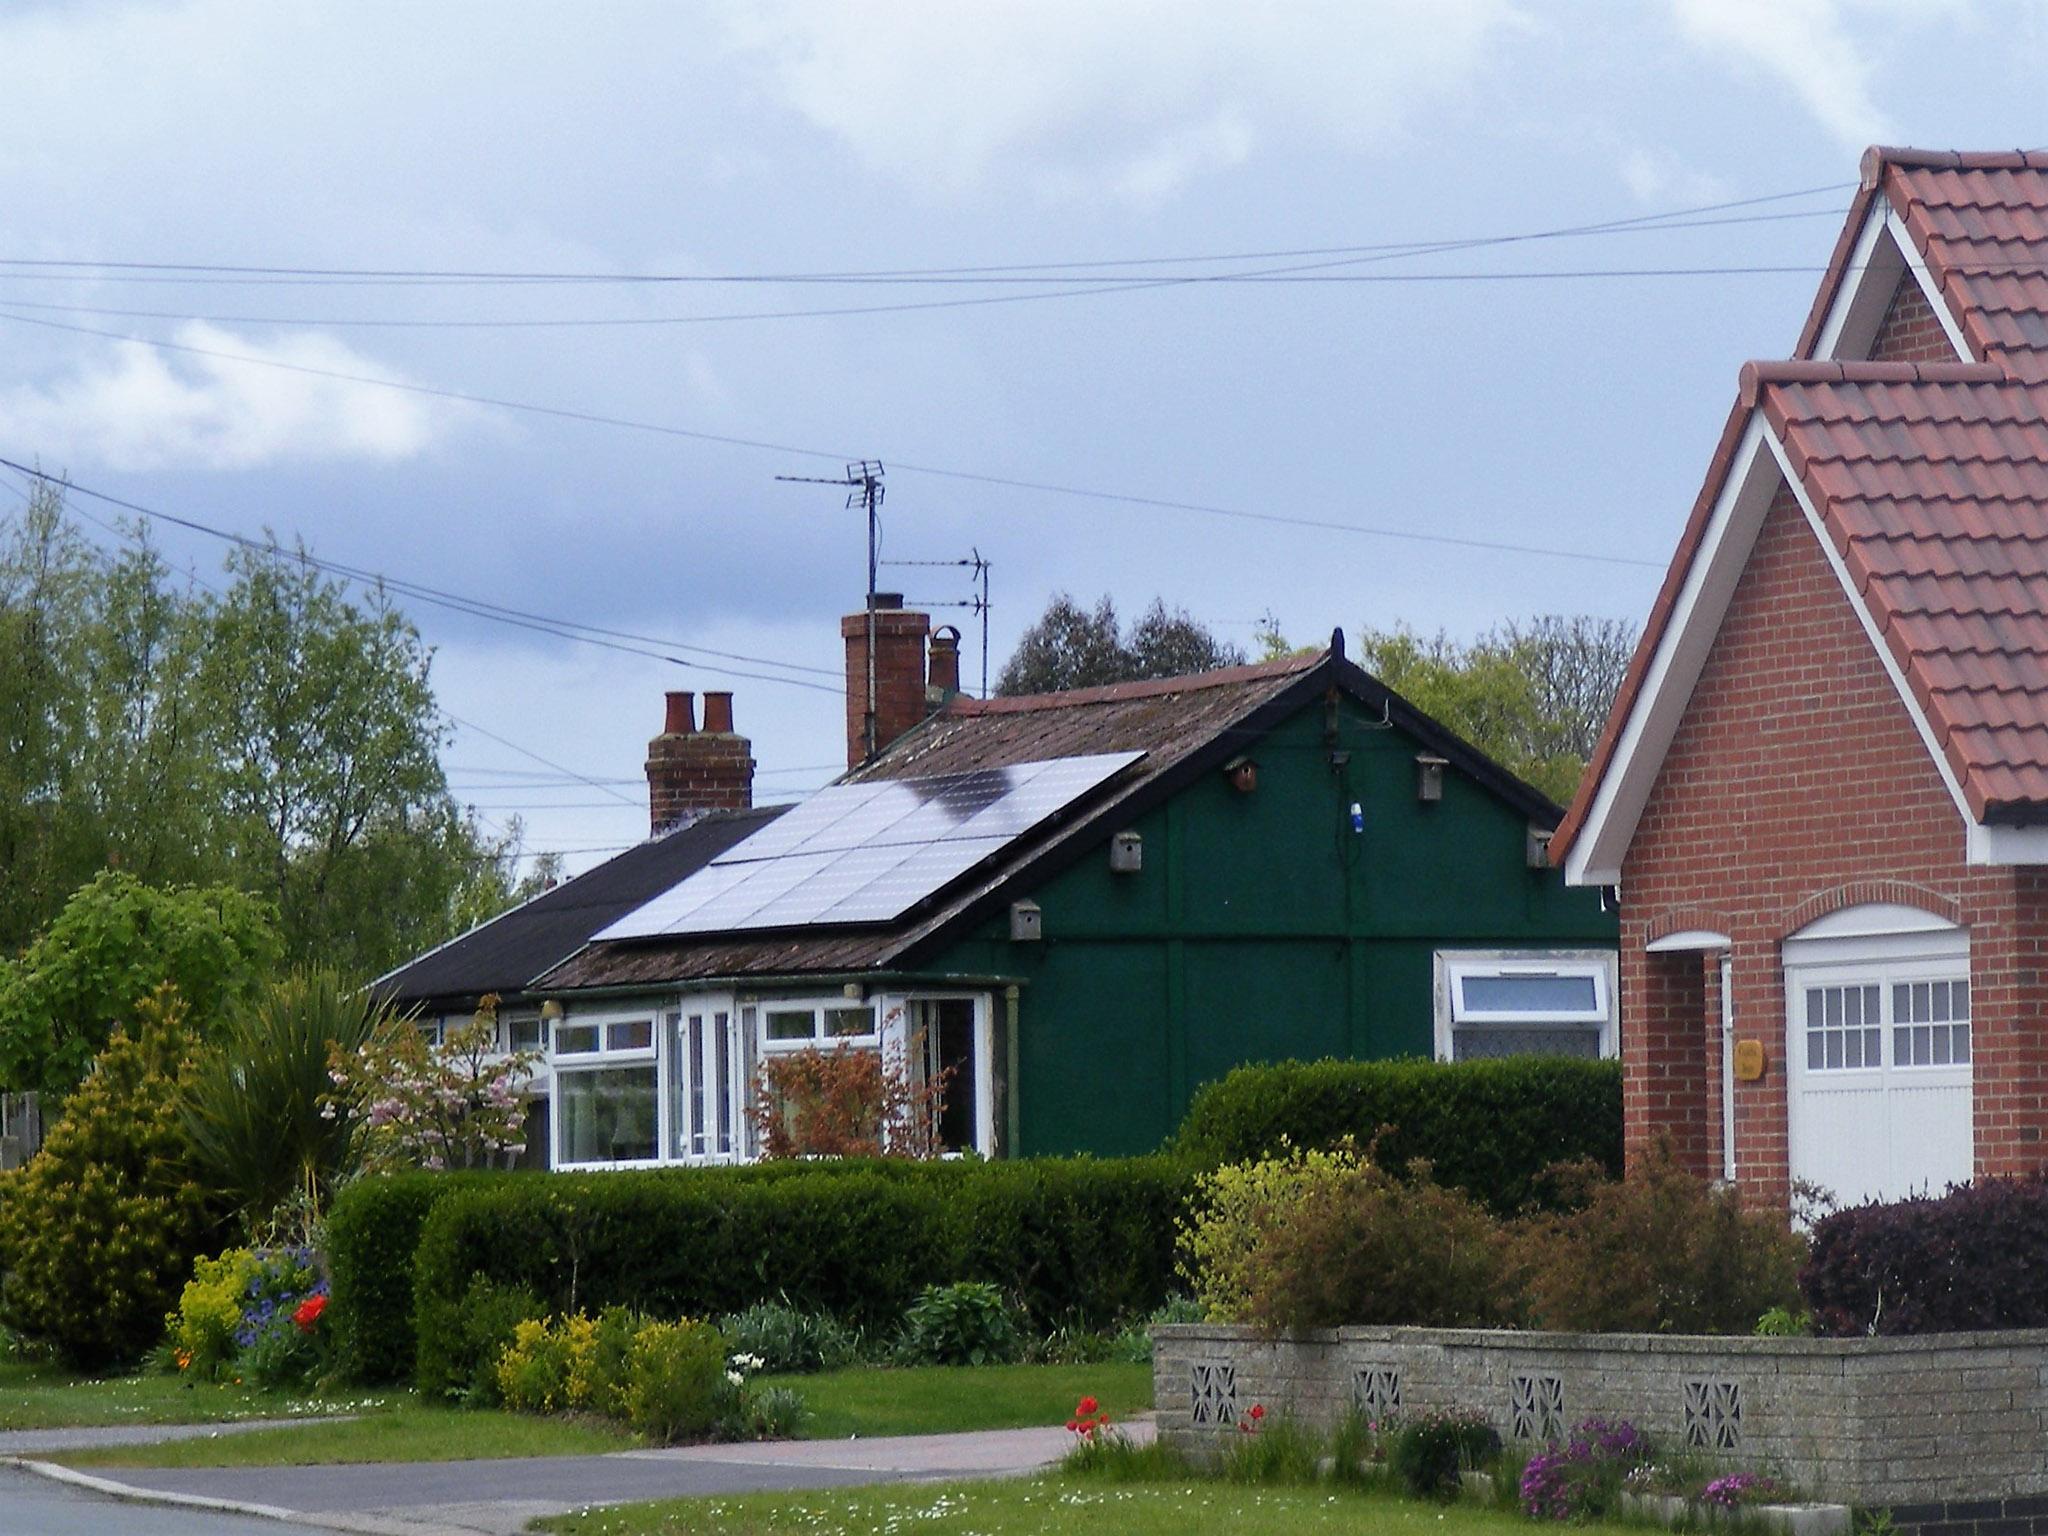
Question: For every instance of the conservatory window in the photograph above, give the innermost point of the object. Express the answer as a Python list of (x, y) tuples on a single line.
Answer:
[(606, 1092), (1508, 1003), (789, 1026)]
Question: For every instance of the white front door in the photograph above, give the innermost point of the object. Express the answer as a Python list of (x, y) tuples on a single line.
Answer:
[(709, 1102), (1878, 1056)]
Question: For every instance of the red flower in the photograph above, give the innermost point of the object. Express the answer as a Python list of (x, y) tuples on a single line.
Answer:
[(1087, 1406), (309, 1312), (1258, 1412)]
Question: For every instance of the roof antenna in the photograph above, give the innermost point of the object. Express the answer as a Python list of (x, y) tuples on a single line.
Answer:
[(864, 477), (977, 566)]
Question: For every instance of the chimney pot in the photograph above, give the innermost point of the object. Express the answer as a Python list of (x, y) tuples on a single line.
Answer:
[(682, 714), (942, 678), (690, 772), (718, 713)]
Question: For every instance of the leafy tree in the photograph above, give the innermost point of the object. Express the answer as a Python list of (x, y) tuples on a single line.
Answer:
[(1534, 696), (100, 1230), (459, 1104), (1072, 647), (116, 941)]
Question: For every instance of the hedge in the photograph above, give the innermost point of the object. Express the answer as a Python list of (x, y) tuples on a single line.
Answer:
[(1971, 1259), (1071, 1240), (373, 1230), (1489, 1128)]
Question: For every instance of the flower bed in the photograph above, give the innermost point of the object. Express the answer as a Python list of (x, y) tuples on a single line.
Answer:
[(1884, 1421)]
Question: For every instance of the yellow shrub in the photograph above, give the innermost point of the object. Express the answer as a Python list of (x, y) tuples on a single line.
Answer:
[(553, 1366), (1235, 1208), (202, 1330)]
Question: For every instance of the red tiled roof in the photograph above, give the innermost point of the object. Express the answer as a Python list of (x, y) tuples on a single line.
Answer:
[(1931, 479)]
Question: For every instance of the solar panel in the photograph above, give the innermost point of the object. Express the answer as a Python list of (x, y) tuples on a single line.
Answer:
[(867, 853)]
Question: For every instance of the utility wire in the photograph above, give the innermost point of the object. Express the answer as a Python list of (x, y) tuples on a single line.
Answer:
[(661, 429)]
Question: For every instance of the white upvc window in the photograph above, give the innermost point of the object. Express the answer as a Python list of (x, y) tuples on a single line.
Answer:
[(792, 1024), (1525, 1002), (607, 1099), (1903, 1017)]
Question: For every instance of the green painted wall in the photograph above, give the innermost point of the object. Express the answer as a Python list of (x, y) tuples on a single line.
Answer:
[(1262, 928)]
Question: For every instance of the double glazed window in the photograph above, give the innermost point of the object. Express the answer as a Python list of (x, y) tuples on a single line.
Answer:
[(1503, 1003), (606, 1091), (1926, 1019), (792, 1026)]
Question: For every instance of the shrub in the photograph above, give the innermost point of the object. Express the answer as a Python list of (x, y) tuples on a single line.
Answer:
[(1966, 1260), (1487, 1128), (550, 1365), (845, 1102), (201, 1333), (788, 1339), (673, 1379), (1271, 1451), (1367, 1248), (1134, 1342), (1659, 1252), (1235, 1208), (1429, 1452), (1582, 1478), (455, 1104), (278, 1341), (486, 1325), (253, 1108), (965, 1323), (372, 1232), (102, 1227)]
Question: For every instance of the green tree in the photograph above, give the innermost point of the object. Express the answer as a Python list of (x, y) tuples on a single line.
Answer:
[(1532, 695), (1072, 647), (115, 942)]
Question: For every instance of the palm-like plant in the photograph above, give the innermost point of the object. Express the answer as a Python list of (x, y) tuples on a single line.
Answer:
[(265, 1128)]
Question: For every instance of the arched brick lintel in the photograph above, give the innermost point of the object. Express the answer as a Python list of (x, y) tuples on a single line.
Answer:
[(1686, 919), (1860, 893)]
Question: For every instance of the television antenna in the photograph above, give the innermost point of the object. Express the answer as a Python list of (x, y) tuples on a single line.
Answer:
[(863, 480)]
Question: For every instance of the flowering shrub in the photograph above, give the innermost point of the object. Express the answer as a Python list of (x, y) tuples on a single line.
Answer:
[(850, 1101), (1581, 1478), (201, 1333), (456, 1105), (1430, 1451), (279, 1341), (1739, 1488)]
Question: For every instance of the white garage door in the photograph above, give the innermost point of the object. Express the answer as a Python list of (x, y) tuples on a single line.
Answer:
[(1877, 1010)]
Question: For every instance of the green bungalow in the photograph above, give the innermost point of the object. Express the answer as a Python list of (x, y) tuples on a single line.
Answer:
[(1075, 908)]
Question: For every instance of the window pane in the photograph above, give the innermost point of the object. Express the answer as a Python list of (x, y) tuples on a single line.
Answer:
[(1852, 1047), (1530, 994), (791, 1023), (523, 1034), (635, 1035), (697, 1146), (1939, 1044), (607, 1116), (1959, 998), (573, 1039), (1902, 1045), (849, 1021), (1473, 1042), (722, 1083)]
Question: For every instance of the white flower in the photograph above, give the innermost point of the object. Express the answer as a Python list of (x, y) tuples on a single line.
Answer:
[(748, 1362), (736, 1378)]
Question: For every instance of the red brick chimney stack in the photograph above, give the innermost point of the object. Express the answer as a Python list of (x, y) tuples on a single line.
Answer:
[(898, 674), (690, 771)]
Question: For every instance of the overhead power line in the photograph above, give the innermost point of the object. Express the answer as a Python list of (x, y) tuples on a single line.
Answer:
[(728, 440)]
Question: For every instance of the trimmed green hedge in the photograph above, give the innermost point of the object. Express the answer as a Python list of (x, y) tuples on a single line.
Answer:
[(1488, 1128), (373, 1231), (1071, 1240)]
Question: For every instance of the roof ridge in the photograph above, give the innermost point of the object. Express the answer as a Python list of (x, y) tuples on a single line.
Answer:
[(1758, 373), (1141, 688), (1878, 156)]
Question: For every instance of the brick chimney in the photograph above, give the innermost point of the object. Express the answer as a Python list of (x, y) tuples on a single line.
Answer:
[(898, 673), (942, 675), (690, 771)]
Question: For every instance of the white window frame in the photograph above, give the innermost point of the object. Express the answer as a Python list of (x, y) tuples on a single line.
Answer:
[(605, 1057), (984, 1056), (1454, 966), (818, 1007), (711, 1007)]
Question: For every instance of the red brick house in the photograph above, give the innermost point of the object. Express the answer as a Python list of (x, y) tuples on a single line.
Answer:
[(1823, 792)]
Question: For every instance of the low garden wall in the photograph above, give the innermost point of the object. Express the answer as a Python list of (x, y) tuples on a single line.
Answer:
[(1917, 1421)]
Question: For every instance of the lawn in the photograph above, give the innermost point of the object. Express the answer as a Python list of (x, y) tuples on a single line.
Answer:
[(407, 1432), (396, 1426), (1049, 1506), (935, 1399), (46, 1396)]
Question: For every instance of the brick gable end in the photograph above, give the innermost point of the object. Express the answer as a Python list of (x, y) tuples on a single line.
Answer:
[(1911, 331), (1796, 771)]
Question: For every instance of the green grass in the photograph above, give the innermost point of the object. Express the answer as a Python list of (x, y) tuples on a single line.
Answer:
[(407, 1433), (1049, 1506), (938, 1399), (46, 1396)]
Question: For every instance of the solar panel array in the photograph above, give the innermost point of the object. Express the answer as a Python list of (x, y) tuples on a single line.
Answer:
[(867, 853)]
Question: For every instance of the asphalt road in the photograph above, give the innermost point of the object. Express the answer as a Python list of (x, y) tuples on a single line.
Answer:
[(33, 1506)]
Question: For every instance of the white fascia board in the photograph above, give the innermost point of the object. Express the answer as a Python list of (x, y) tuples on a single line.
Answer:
[(1903, 239), (1861, 302), (1660, 703), (1983, 844)]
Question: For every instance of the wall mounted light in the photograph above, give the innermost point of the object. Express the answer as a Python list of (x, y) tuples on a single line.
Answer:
[(1429, 777), (551, 1011), (1243, 774)]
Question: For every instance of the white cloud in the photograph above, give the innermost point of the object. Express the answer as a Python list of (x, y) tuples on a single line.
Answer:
[(1815, 47), (140, 408), (1072, 98), (1658, 180)]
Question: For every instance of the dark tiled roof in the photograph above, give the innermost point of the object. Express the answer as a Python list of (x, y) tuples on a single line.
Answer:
[(1183, 725), (1931, 478), (507, 953)]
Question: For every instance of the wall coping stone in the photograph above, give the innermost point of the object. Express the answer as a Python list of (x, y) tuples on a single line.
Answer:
[(1633, 1343)]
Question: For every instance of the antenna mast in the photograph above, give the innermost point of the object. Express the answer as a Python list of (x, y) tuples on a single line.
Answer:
[(977, 567), (864, 479)]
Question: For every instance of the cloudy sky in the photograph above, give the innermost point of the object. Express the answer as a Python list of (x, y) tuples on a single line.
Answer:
[(1557, 394)]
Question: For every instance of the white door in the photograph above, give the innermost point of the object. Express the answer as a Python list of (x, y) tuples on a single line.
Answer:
[(1878, 1057), (705, 1114)]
